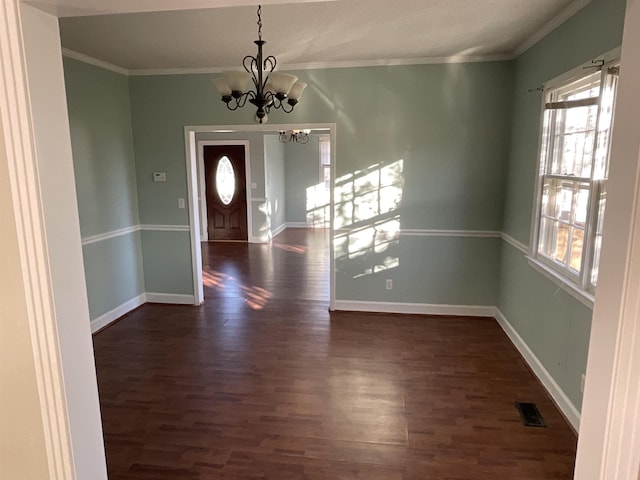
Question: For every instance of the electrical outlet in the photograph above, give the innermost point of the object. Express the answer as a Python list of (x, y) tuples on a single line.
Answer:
[(181, 203), (389, 284), (582, 383)]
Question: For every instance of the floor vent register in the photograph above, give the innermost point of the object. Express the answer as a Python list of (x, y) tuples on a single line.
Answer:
[(530, 414)]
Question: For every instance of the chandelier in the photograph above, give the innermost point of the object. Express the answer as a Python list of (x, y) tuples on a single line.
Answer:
[(294, 136), (270, 89)]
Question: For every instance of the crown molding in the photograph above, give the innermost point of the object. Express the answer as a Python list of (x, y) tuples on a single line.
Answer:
[(568, 12), (81, 57), (390, 62), (341, 64)]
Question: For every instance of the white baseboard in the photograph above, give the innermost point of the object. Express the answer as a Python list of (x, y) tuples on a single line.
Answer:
[(170, 298), (416, 308), (278, 230), (298, 225), (565, 405), (112, 315)]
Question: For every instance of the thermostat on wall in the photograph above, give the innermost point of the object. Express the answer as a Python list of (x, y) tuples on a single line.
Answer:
[(159, 176)]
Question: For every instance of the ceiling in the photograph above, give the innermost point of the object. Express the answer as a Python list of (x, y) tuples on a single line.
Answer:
[(303, 33)]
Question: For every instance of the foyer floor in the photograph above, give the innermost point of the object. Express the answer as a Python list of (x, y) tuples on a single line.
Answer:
[(262, 382)]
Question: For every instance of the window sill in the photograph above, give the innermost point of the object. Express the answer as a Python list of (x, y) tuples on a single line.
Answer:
[(586, 298)]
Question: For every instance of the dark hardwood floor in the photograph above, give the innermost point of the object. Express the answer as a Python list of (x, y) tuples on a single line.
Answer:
[(261, 382)]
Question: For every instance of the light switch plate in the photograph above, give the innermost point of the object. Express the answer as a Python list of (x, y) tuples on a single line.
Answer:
[(181, 203)]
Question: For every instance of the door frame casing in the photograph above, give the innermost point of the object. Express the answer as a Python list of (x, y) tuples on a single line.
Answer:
[(191, 158), (204, 223)]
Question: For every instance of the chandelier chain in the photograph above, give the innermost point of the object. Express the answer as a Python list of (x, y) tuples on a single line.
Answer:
[(259, 22)]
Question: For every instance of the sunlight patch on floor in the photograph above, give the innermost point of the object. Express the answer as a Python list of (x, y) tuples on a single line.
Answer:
[(255, 297)]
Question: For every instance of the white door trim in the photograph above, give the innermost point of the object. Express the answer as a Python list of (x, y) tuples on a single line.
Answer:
[(609, 440), (204, 224), (19, 140), (192, 149)]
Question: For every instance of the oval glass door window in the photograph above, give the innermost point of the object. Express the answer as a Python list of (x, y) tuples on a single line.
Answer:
[(225, 180)]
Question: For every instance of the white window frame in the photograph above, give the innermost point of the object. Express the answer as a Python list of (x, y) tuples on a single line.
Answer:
[(578, 285), (322, 165)]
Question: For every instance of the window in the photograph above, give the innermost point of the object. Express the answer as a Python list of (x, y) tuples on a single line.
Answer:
[(325, 160), (225, 180), (572, 180)]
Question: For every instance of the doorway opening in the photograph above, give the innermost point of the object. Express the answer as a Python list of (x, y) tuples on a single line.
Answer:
[(224, 173), (209, 187)]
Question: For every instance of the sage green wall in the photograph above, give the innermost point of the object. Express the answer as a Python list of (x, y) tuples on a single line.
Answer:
[(302, 170), (113, 271), (449, 124), (431, 270), (167, 262), (101, 136), (275, 180), (554, 325)]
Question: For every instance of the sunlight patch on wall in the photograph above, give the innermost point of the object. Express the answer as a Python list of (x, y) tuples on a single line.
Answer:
[(367, 224), (318, 206), (365, 195), (264, 231)]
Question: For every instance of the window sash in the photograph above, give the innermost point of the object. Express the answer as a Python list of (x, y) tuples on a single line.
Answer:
[(562, 228)]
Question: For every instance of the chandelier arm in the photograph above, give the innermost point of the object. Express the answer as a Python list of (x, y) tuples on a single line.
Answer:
[(250, 64), (271, 100), (286, 107), (270, 63), (238, 102), (274, 102), (242, 100), (234, 107)]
